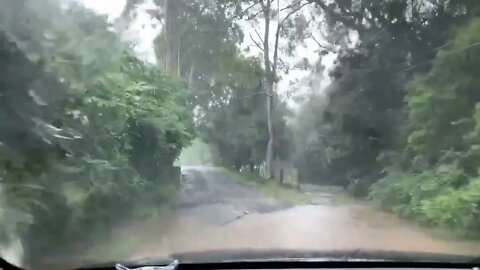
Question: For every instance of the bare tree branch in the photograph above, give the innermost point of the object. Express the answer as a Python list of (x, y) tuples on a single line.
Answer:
[(293, 11), (291, 5), (256, 43), (252, 94), (321, 45), (254, 15), (263, 5), (279, 28), (348, 21), (251, 6), (259, 36), (266, 53)]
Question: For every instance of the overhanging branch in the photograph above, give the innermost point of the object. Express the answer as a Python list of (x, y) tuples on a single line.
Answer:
[(277, 34), (259, 36), (256, 43)]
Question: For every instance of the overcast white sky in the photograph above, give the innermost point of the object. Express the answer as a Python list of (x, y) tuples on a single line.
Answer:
[(144, 30)]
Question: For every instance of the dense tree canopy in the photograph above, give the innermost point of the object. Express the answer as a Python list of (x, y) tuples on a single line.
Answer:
[(365, 101), (228, 88), (398, 120), (440, 154)]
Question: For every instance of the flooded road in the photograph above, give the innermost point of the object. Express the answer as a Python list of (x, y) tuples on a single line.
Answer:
[(222, 214), (214, 212)]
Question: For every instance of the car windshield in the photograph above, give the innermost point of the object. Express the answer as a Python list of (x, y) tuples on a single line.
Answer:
[(157, 128)]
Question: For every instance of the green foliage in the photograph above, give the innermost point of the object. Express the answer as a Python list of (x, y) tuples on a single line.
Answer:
[(365, 114), (233, 118), (200, 43), (454, 208), (400, 121), (441, 185), (404, 192), (431, 198), (443, 104), (88, 132)]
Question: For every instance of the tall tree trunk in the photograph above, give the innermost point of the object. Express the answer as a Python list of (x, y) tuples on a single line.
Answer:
[(271, 71), (179, 55), (269, 154), (269, 88), (190, 76), (168, 38)]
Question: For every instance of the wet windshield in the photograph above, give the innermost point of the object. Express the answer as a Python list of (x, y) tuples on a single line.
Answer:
[(146, 128)]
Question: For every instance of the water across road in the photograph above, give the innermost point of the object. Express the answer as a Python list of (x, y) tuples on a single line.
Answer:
[(217, 213)]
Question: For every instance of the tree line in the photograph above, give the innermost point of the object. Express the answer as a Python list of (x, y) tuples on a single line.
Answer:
[(88, 131), (398, 123)]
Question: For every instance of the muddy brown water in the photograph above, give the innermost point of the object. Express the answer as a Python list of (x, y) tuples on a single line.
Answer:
[(310, 227), (326, 227)]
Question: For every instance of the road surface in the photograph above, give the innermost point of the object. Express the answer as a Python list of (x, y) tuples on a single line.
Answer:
[(211, 196), (216, 213)]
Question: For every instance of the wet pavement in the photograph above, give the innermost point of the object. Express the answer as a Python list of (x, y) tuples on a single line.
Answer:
[(211, 196), (217, 213)]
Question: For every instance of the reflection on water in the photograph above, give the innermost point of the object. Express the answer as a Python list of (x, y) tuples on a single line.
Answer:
[(314, 227)]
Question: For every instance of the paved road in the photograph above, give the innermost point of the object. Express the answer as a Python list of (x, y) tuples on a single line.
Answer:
[(214, 212), (217, 213), (214, 197)]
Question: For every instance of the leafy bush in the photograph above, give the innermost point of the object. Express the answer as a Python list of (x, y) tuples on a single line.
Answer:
[(393, 192), (404, 192), (454, 208), (88, 132), (438, 183), (431, 197)]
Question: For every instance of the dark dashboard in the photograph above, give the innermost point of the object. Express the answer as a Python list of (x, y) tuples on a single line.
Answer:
[(285, 259)]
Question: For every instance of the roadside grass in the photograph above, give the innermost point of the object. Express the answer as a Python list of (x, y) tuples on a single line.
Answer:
[(271, 188)]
